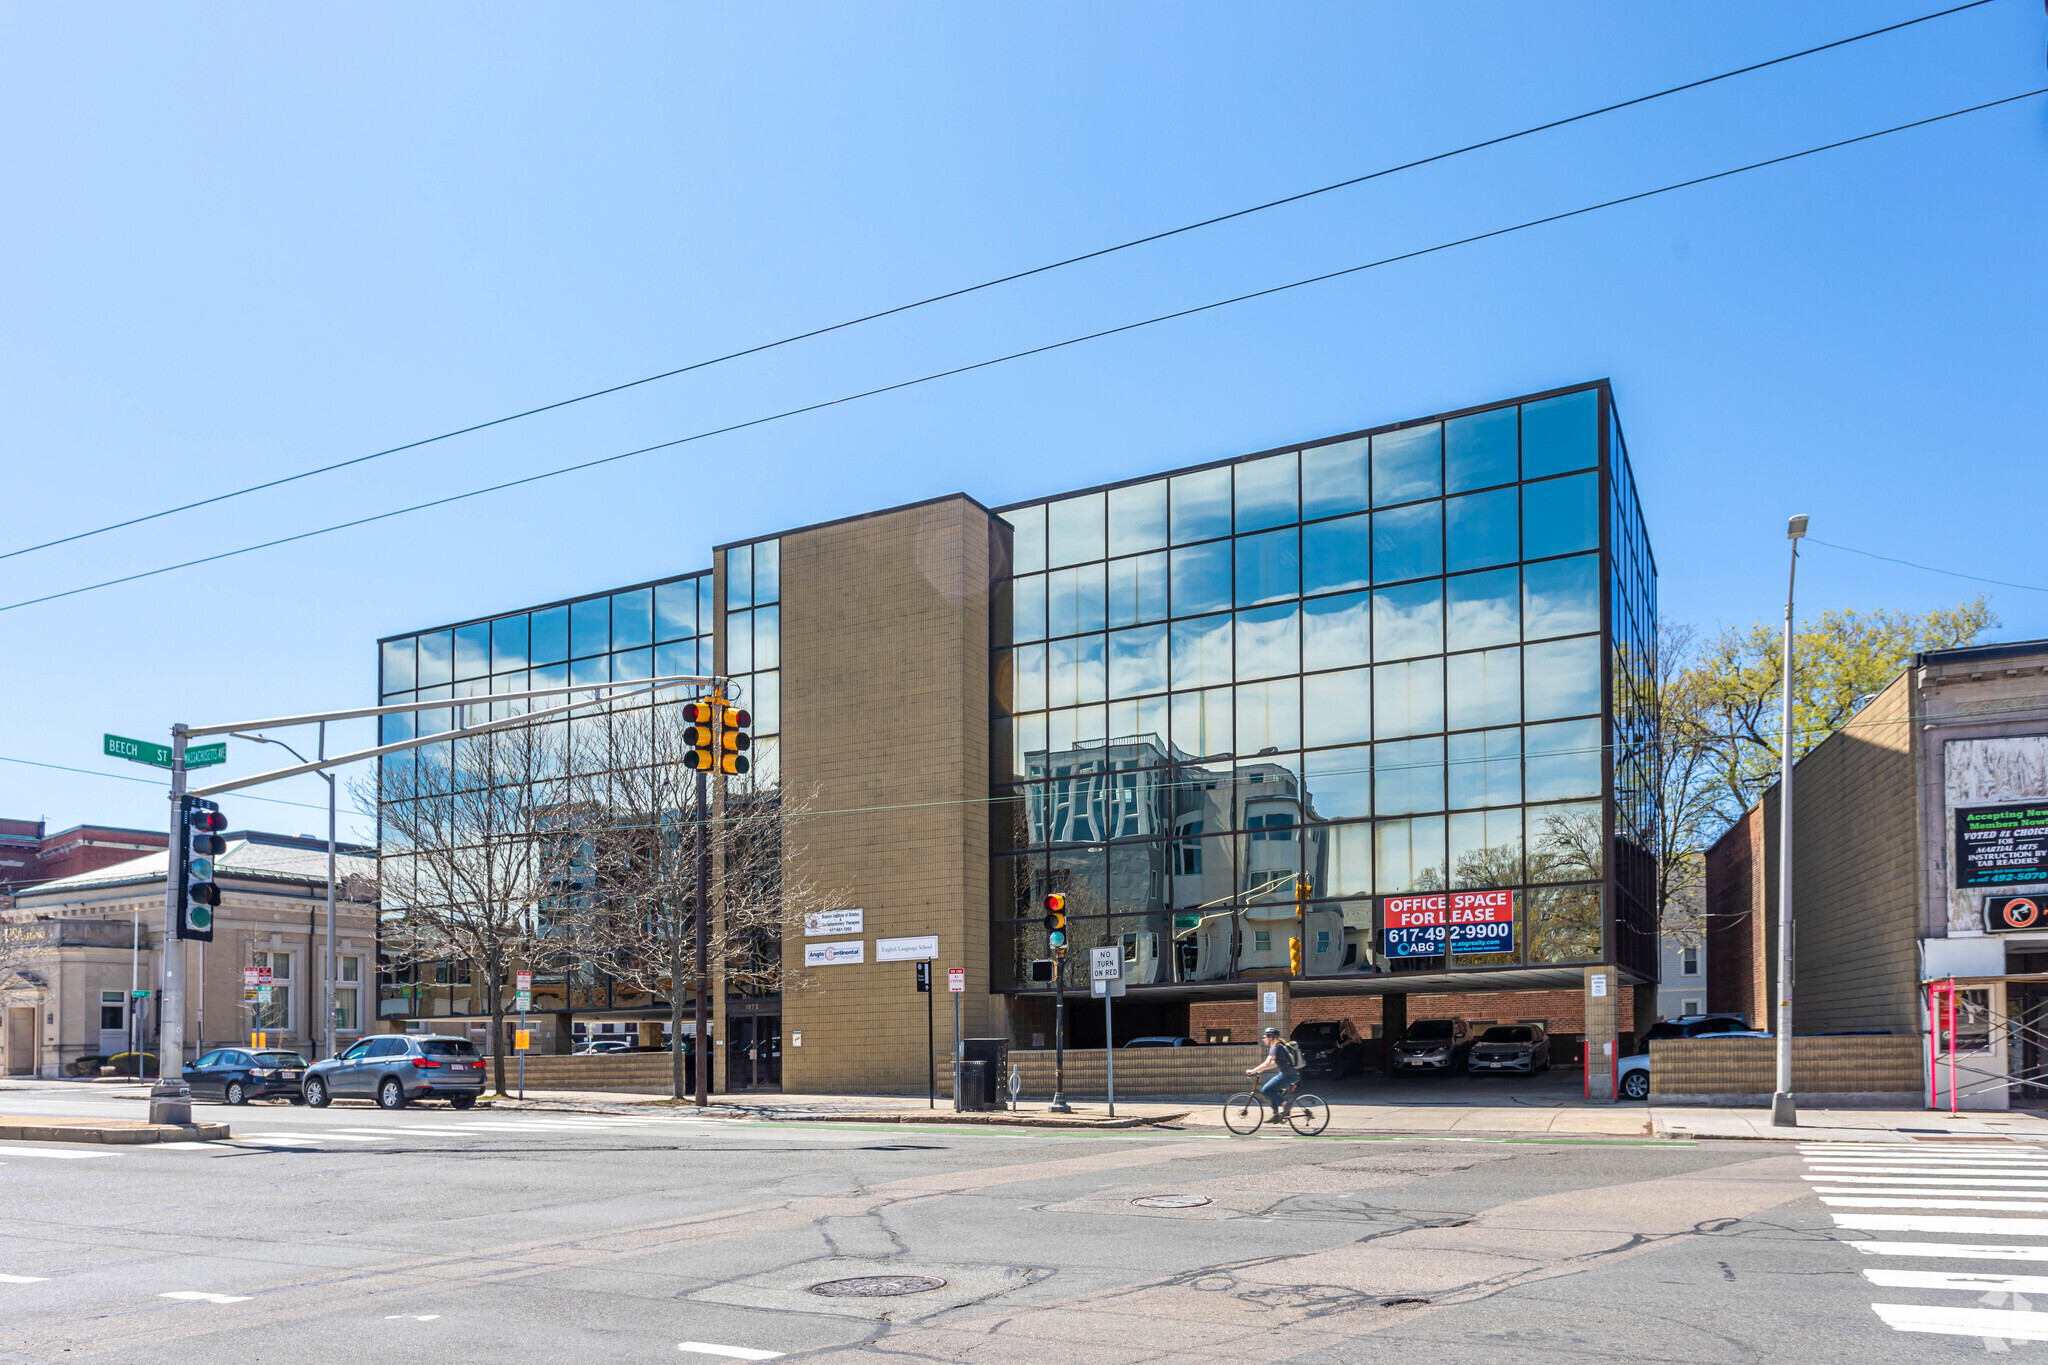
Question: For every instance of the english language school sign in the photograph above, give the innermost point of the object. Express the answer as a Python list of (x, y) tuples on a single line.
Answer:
[(1462, 921)]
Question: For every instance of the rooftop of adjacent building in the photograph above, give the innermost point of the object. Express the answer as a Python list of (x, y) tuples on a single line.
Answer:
[(251, 855), (1995, 656)]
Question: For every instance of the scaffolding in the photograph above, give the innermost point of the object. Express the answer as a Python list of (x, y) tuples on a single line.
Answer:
[(1960, 1004)]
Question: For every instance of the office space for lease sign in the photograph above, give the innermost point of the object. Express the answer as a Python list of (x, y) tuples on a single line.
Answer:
[(1465, 921), (2003, 845)]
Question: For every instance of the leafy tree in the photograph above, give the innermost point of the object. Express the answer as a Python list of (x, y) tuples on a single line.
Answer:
[(1728, 699)]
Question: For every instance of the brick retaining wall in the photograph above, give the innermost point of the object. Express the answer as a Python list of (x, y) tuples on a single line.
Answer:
[(1856, 1068)]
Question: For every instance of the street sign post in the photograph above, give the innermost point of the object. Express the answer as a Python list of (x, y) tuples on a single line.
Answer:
[(956, 984), (1106, 970), (931, 1042)]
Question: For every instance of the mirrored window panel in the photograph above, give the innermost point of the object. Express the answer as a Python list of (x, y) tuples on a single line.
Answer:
[(400, 660), (1269, 641), (1201, 578), (1409, 854), (739, 577), (508, 644), (1074, 530), (1027, 539), (1408, 542), (1137, 589), (1137, 517), (1266, 492), (1561, 597), (1407, 465), (1486, 849), (1560, 516), (1202, 722), (437, 659), (1339, 782), (1483, 689), (1074, 600), (767, 571), (1200, 505), (1336, 631), (1480, 450), (590, 627), (1481, 530), (1564, 678), (1408, 698), (1482, 609), (1407, 620), (1027, 608), (1484, 768), (1201, 651), (1268, 567), (633, 619), (1563, 759), (1268, 716), (1137, 660), (1336, 555), (1408, 776), (1336, 708), (1561, 434), (1334, 480)]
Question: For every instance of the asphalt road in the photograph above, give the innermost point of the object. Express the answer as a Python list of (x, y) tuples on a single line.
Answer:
[(350, 1234)]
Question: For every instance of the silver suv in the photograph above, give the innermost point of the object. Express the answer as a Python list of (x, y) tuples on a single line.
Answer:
[(394, 1069)]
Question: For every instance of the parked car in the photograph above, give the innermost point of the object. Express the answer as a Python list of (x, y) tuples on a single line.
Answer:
[(1700, 1026), (1433, 1045), (88, 1065), (1162, 1040), (236, 1075), (126, 1063), (1632, 1075), (1510, 1047), (597, 1046), (396, 1069), (1330, 1047)]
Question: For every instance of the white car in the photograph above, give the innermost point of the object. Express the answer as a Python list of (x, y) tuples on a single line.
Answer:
[(598, 1046), (1632, 1077)]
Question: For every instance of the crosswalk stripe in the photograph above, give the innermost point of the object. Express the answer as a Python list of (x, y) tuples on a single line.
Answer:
[(1959, 1251), (1920, 1182), (1951, 1191), (321, 1135), (2016, 1205), (1934, 1170), (1965, 1280), (1965, 1322), (1907, 1222)]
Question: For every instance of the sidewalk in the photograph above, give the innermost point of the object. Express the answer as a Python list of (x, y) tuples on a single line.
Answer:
[(1560, 1121)]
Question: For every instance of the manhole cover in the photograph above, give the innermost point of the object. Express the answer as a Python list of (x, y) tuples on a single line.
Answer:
[(1171, 1201), (878, 1286)]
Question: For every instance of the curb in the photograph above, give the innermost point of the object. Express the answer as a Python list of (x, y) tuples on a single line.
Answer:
[(988, 1120), (123, 1134)]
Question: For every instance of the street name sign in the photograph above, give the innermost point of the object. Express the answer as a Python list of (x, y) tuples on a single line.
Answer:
[(159, 755)]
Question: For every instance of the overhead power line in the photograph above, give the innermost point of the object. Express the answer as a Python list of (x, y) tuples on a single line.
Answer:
[(1928, 568), (1030, 351), (965, 290)]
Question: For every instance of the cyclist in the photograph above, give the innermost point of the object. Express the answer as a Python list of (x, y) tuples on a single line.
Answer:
[(1284, 1075)]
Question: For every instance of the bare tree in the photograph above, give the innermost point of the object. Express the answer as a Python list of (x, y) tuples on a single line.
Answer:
[(479, 851), (640, 828)]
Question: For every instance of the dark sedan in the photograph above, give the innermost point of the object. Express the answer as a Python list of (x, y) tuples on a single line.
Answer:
[(1520, 1048), (1330, 1047), (237, 1075)]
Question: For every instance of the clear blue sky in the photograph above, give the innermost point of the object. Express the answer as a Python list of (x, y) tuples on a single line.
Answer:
[(244, 240)]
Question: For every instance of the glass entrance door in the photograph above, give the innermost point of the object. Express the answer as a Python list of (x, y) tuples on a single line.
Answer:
[(754, 1052)]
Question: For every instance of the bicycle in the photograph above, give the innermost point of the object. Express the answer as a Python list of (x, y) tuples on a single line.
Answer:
[(1245, 1112)]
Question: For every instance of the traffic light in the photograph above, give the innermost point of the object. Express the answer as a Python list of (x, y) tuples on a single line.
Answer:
[(734, 741), (697, 733), (1056, 920), (197, 892), (1294, 955)]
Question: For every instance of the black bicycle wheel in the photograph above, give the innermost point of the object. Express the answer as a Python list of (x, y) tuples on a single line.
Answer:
[(1308, 1115), (1243, 1113)]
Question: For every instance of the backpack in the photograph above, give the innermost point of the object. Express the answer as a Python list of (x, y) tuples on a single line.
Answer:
[(1294, 1056)]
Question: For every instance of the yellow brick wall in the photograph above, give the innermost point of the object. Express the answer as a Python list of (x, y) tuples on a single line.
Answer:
[(885, 726)]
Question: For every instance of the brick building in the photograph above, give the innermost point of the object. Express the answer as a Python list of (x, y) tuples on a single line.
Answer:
[(1914, 823), (1360, 725), (28, 855)]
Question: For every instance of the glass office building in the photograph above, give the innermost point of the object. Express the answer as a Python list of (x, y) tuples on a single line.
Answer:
[(1294, 703)]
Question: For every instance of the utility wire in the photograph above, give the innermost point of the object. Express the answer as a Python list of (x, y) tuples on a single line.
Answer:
[(126, 777), (989, 284), (1020, 355), (1929, 568)]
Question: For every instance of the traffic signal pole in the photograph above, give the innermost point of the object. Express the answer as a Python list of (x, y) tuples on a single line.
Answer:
[(703, 940), (1059, 1103), (170, 1099)]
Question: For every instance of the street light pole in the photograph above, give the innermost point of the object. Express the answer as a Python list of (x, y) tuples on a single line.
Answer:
[(1784, 1114)]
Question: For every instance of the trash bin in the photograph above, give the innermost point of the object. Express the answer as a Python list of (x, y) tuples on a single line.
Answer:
[(973, 1083), (994, 1055)]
